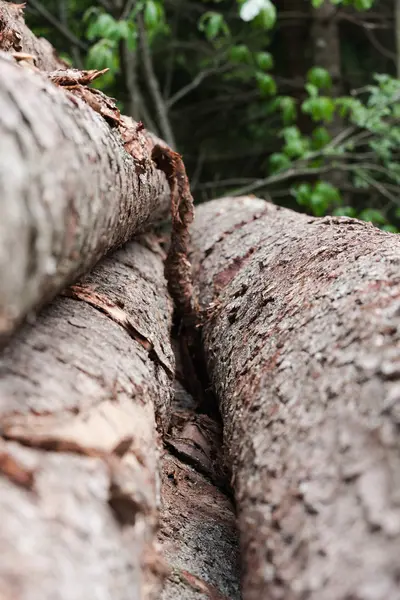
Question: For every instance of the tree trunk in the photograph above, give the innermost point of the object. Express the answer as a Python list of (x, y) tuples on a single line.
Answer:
[(81, 392), (308, 380), (72, 186), (397, 35)]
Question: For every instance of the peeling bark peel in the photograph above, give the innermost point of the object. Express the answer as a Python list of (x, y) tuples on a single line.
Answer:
[(69, 190), (80, 396), (308, 380)]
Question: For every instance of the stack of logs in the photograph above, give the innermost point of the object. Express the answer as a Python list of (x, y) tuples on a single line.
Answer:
[(114, 483)]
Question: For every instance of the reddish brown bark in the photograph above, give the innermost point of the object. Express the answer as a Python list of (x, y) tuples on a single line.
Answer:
[(84, 399), (302, 339)]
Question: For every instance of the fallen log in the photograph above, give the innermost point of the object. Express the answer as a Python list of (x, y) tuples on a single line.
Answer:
[(84, 400), (72, 186), (76, 180), (302, 341)]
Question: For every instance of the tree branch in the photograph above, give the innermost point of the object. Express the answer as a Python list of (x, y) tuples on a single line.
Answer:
[(195, 83), (154, 88), (67, 33)]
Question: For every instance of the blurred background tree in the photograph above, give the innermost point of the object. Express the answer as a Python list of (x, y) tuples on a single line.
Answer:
[(297, 101)]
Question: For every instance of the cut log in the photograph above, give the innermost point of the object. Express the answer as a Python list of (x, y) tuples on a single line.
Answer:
[(81, 393), (69, 189), (308, 380)]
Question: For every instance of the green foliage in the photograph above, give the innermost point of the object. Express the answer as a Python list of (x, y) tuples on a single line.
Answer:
[(318, 198), (266, 84), (320, 78), (262, 12), (313, 149), (213, 25)]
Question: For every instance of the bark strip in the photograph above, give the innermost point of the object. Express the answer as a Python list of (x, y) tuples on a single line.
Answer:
[(76, 180), (302, 340), (84, 398)]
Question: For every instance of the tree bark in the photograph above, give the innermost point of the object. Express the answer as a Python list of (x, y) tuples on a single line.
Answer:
[(308, 381), (72, 187), (81, 393), (197, 535), (16, 37)]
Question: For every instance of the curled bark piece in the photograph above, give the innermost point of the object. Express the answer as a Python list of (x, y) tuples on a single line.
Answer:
[(178, 269), (80, 396), (302, 340), (71, 187)]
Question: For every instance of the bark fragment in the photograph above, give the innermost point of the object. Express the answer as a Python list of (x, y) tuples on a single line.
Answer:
[(302, 343), (178, 269), (72, 187), (80, 397)]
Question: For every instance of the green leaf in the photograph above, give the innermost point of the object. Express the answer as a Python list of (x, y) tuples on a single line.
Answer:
[(363, 4), (330, 193), (344, 211), (302, 193), (250, 9), (288, 108), (264, 60), (102, 55), (240, 53), (320, 78), (320, 137), (266, 84), (318, 204), (279, 162), (317, 3), (295, 148), (320, 109), (373, 216), (390, 228), (267, 18), (290, 133), (312, 90), (123, 30), (213, 23), (151, 14)]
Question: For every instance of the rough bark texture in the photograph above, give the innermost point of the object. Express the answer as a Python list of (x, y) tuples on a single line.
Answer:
[(16, 37), (198, 535), (81, 392), (69, 189), (308, 379)]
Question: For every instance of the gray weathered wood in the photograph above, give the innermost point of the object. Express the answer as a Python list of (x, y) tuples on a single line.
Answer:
[(84, 400), (69, 191)]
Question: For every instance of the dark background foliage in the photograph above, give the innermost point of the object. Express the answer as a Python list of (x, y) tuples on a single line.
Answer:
[(295, 101)]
